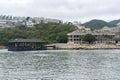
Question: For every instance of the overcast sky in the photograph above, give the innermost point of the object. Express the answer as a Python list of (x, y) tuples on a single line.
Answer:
[(67, 10)]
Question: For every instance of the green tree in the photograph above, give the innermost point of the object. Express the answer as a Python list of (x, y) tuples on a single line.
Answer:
[(49, 32), (107, 36), (117, 40), (89, 38)]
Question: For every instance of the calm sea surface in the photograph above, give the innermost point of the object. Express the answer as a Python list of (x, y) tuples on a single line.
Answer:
[(60, 65)]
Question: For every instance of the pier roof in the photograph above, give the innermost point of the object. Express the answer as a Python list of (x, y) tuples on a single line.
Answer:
[(27, 40)]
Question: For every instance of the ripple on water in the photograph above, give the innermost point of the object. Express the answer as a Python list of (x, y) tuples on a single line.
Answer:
[(60, 65)]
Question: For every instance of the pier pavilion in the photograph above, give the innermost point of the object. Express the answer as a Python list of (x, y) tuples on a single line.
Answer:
[(26, 45)]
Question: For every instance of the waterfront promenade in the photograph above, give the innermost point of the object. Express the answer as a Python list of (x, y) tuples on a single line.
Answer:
[(3, 47), (87, 46)]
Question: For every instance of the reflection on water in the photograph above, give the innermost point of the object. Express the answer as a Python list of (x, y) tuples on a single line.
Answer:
[(60, 65)]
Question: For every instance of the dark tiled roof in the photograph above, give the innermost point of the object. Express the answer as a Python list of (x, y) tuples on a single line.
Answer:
[(26, 40)]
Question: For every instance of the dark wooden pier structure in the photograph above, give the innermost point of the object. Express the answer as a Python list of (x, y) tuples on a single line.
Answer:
[(26, 45)]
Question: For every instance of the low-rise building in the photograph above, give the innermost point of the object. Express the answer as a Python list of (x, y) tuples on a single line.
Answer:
[(75, 37), (5, 24), (10, 21), (47, 20)]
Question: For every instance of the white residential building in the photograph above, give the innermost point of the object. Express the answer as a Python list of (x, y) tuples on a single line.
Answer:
[(47, 20)]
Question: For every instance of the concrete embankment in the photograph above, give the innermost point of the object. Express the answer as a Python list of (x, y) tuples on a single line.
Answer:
[(3, 47), (87, 46)]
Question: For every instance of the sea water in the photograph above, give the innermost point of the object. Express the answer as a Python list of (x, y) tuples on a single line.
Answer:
[(60, 65)]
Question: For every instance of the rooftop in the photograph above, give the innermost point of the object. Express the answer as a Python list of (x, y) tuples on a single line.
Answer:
[(83, 32), (27, 40)]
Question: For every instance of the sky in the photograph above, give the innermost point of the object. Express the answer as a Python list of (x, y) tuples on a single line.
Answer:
[(66, 10)]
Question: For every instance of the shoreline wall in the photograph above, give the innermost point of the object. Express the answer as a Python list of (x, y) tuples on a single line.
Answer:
[(88, 46)]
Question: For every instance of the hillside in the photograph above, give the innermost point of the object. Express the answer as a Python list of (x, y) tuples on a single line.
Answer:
[(97, 24), (50, 32), (114, 22)]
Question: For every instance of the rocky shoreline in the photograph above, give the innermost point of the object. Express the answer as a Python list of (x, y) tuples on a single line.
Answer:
[(3, 47), (88, 46)]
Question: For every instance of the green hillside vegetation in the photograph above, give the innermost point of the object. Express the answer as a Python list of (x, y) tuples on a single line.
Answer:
[(98, 24), (114, 22), (50, 32)]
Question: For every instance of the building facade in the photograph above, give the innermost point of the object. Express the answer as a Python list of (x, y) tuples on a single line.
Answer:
[(26, 45), (11, 21), (101, 36)]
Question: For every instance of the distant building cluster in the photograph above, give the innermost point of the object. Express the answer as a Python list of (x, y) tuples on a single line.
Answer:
[(11, 21), (104, 35)]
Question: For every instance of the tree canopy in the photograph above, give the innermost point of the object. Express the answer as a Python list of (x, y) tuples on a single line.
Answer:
[(117, 39), (50, 32), (89, 38)]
